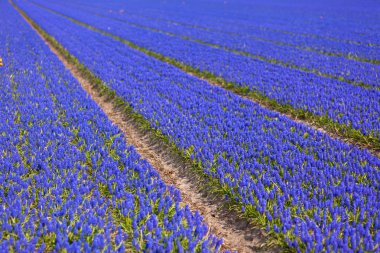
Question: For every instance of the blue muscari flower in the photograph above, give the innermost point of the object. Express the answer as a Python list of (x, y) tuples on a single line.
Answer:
[(121, 248), (275, 228)]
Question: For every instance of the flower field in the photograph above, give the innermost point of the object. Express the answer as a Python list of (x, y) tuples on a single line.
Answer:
[(310, 92), (278, 106)]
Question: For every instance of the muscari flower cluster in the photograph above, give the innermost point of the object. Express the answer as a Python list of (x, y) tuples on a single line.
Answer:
[(319, 193), (341, 102), (69, 181)]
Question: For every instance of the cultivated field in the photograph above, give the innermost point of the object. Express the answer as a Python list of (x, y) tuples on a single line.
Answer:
[(189, 126)]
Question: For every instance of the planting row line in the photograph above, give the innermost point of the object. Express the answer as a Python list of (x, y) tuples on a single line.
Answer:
[(313, 192), (69, 180), (337, 67), (353, 110)]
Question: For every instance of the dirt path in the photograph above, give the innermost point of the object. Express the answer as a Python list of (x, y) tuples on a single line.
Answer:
[(238, 234)]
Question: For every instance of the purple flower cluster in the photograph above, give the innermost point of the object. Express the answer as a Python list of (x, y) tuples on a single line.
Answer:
[(341, 102), (317, 192), (68, 180)]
